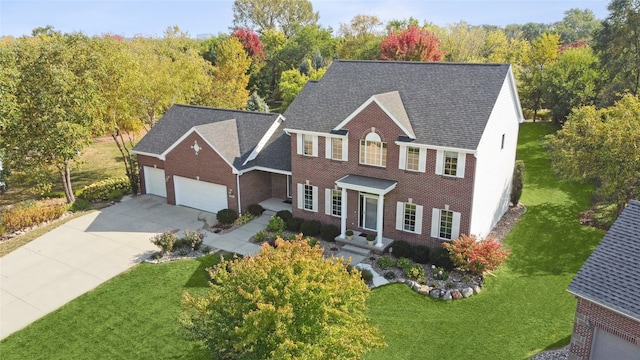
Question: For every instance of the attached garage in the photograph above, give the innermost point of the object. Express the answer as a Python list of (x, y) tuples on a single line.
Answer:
[(200, 195), (607, 346), (154, 182)]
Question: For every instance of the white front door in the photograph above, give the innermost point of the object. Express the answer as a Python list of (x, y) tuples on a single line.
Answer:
[(154, 182), (369, 211), (200, 195)]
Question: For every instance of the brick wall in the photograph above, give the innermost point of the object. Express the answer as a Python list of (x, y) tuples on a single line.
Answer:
[(150, 162), (279, 186), (255, 186), (426, 189), (590, 316)]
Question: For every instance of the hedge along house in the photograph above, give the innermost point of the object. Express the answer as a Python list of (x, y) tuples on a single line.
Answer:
[(405, 150), (212, 159), (607, 321)]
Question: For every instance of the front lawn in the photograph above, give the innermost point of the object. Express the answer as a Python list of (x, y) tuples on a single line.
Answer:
[(524, 309)]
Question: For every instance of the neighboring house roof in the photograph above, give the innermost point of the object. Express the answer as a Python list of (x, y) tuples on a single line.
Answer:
[(611, 275), (445, 104), (233, 133)]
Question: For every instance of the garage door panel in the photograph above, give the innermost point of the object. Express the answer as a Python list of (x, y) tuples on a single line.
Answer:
[(154, 182), (607, 346), (200, 195)]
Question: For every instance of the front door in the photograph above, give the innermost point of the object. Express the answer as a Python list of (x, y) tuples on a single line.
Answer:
[(368, 211)]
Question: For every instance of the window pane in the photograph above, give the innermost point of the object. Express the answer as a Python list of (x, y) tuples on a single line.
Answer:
[(336, 202), (450, 163), (446, 223), (363, 147), (308, 197), (373, 153), (308, 144), (336, 148), (409, 217), (413, 158)]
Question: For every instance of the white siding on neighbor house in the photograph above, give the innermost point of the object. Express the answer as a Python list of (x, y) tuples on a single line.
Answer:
[(494, 165)]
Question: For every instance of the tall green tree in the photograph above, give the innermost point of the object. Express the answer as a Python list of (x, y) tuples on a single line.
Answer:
[(570, 82), (602, 146), (285, 15), (292, 81), (617, 45), (463, 43), (360, 39), (577, 25), (543, 51), (57, 102), (287, 302)]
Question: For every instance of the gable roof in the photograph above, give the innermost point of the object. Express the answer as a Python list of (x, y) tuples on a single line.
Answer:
[(233, 133), (611, 275), (447, 104)]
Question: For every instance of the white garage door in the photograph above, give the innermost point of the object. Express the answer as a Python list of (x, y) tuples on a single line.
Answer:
[(154, 181), (607, 346), (200, 194)]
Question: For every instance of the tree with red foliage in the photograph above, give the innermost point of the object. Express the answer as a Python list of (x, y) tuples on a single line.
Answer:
[(411, 44), (573, 45), (477, 256), (250, 42)]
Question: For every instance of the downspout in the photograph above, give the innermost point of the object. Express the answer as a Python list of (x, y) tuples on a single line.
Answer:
[(238, 191)]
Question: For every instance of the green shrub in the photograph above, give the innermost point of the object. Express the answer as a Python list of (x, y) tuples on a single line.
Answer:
[(605, 215), (440, 258), (329, 232), (243, 219), (402, 249), (517, 182), (416, 272), (260, 236), (79, 205), (194, 239), (276, 225), (310, 227), (165, 241), (311, 241), (102, 190), (29, 214), (226, 216), (115, 195), (206, 249), (420, 254), (294, 224), (405, 264), (367, 275), (255, 209), (439, 273), (386, 262), (53, 195), (284, 215), (180, 243)]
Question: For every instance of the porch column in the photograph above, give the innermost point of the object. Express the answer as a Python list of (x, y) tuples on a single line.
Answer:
[(379, 220), (343, 214)]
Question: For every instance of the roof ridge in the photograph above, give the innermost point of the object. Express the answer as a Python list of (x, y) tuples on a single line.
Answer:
[(227, 110), (420, 62)]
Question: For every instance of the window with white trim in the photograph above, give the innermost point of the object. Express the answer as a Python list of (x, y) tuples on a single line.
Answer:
[(450, 163), (307, 144), (373, 151), (409, 217), (336, 148), (336, 202), (502, 143), (307, 197), (445, 224), (413, 158), (289, 186)]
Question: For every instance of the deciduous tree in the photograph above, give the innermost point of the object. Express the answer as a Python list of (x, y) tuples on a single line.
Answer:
[(543, 51), (360, 38), (285, 15), (412, 44), (287, 302), (577, 25)]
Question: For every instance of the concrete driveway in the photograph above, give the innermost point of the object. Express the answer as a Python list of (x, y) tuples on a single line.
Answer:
[(76, 257)]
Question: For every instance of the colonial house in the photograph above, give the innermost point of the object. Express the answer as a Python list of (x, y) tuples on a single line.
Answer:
[(403, 150), (607, 320)]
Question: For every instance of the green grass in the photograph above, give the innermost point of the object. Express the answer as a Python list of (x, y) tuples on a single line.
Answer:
[(523, 310), (101, 160), (526, 308), (133, 316)]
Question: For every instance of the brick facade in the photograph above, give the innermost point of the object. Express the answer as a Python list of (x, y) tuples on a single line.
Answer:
[(426, 189), (590, 316)]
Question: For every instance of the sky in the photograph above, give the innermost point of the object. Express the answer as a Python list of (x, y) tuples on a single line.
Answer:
[(152, 17)]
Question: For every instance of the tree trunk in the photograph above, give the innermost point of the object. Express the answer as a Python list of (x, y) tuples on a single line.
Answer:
[(65, 176), (130, 164)]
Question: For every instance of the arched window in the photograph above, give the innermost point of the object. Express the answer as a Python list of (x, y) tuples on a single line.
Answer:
[(373, 151)]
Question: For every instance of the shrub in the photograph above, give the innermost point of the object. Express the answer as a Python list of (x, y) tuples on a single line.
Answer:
[(102, 190), (276, 225), (165, 241), (255, 209), (386, 262), (226, 216), (402, 249), (310, 227), (405, 264), (284, 215), (294, 224), (115, 195), (52, 195), (29, 214), (439, 273), (440, 258), (476, 256), (416, 272), (367, 276), (193, 239), (206, 249), (79, 205), (260, 236), (329, 232), (312, 241), (420, 254), (243, 219), (517, 182)]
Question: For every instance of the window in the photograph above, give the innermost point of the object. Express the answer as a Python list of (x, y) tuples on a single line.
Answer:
[(333, 202), (409, 217), (307, 146), (373, 151), (450, 163), (336, 148), (445, 224), (502, 143), (289, 186), (307, 197), (413, 158)]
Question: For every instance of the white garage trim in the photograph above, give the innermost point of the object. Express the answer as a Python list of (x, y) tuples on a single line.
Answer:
[(154, 182), (200, 195), (607, 346)]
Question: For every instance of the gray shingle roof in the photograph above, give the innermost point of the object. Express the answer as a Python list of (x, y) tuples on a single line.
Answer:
[(233, 132), (611, 275), (448, 104)]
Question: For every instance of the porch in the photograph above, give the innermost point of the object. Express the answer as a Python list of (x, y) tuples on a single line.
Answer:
[(359, 240), (276, 204)]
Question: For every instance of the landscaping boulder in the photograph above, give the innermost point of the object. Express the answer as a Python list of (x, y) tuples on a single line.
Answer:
[(455, 294), (447, 295), (477, 289), (467, 292), (424, 290), (435, 293)]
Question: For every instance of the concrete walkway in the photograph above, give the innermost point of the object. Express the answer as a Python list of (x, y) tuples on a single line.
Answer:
[(76, 257)]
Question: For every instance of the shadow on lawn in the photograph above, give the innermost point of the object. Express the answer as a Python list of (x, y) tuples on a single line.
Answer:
[(200, 276)]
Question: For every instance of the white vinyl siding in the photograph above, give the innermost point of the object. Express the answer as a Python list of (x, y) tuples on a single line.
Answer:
[(450, 163), (307, 197), (409, 217), (336, 148), (412, 158), (445, 224), (307, 144)]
